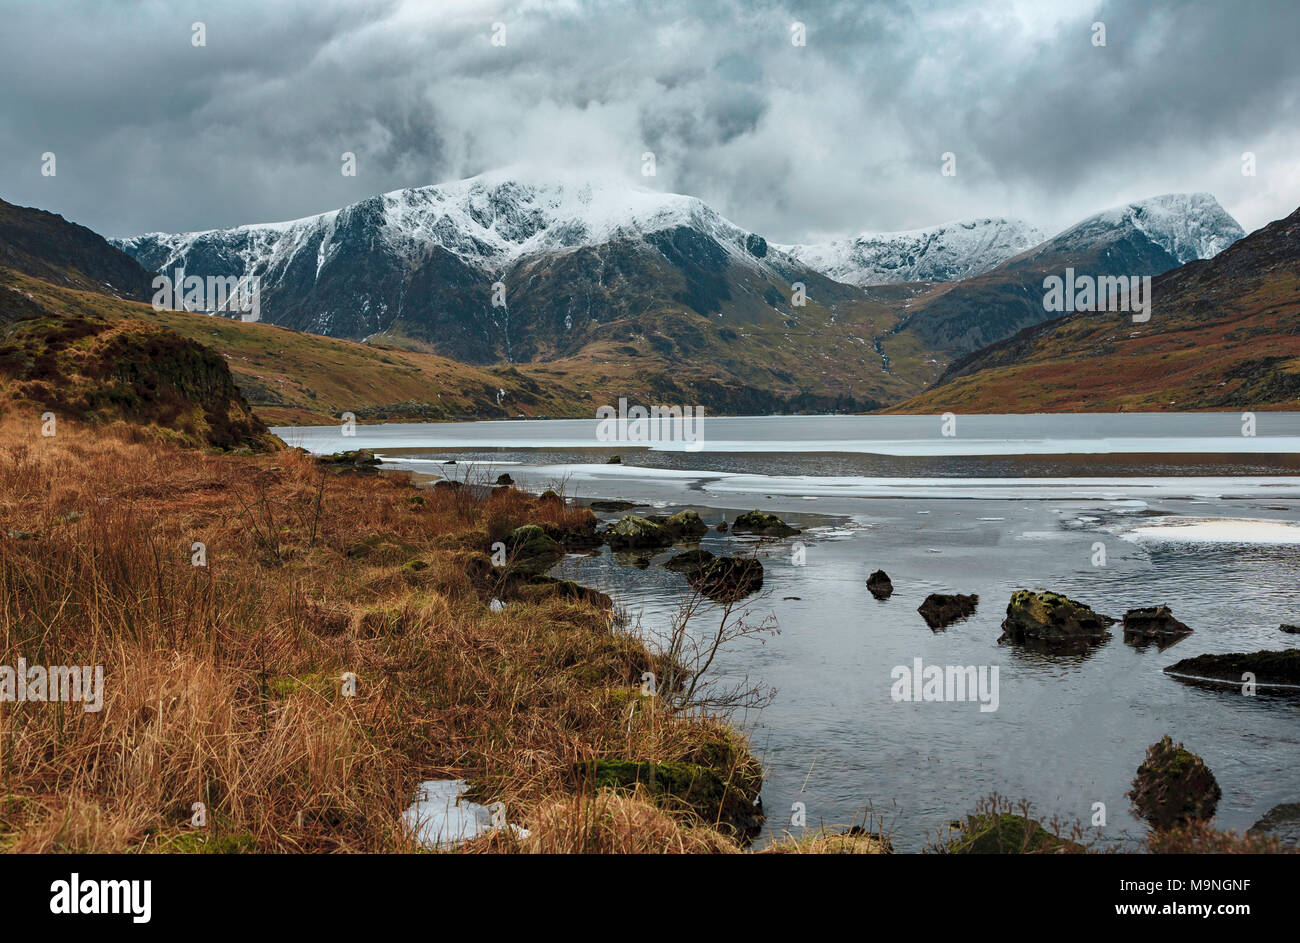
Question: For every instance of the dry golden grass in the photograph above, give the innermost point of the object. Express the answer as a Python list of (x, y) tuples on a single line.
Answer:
[(223, 683)]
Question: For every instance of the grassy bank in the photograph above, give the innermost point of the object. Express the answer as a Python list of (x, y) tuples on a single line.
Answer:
[(224, 682)]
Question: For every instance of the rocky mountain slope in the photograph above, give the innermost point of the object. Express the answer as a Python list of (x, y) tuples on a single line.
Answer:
[(1224, 333), (1146, 238)]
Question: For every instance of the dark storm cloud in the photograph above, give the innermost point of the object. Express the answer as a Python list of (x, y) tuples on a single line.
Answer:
[(841, 135)]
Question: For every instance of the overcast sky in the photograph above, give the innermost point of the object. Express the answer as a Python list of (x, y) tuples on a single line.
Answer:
[(842, 135)]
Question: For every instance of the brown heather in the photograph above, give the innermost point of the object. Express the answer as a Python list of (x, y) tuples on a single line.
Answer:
[(223, 683)]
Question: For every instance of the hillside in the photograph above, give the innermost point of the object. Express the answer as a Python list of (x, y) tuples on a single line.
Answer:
[(49, 247), (1149, 237), (1224, 334)]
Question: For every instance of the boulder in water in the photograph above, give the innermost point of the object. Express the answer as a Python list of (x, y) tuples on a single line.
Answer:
[(1268, 667), (763, 524), (1173, 786), (1153, 624), (637, 533), (940, 610), (1052, 623), (727, 579), (686, 525), (880, 585)]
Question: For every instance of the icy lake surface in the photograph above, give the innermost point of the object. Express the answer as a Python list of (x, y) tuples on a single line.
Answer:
[(1187, 511)]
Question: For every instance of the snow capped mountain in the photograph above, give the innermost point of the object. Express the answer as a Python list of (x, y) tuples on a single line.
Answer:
[(574, 256), (490, 222), (944, 253), (1187, 226), (423, 262)]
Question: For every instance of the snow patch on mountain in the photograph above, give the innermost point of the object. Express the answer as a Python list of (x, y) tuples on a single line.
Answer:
[(949, 252)]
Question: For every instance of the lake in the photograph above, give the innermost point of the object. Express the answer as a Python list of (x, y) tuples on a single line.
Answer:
[(1187, 510)]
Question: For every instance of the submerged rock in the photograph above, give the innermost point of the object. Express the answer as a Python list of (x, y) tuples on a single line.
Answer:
[(505, 479), (941, 610), (1153, 624), (763, 524), (1269, 668), (727, 579), (722, 527), (637, 533), (1052, 623), (879, 585), (1173, 786), (1281, 822), (1293, 629)]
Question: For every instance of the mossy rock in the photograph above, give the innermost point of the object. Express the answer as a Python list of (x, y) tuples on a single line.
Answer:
[(763, 524), (637, 533), (679, 786), (356, 461), (532, 550), (1173, 786), (1053, 623), (686, 525), (1005, 833)]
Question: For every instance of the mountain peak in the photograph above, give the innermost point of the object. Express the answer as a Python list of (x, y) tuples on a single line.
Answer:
[(1188, 226)]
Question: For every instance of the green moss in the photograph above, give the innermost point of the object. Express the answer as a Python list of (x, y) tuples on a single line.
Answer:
[(1005, 833), (318, 682)]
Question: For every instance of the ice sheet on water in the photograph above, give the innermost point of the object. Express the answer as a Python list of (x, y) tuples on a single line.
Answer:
[(1215, 531)]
